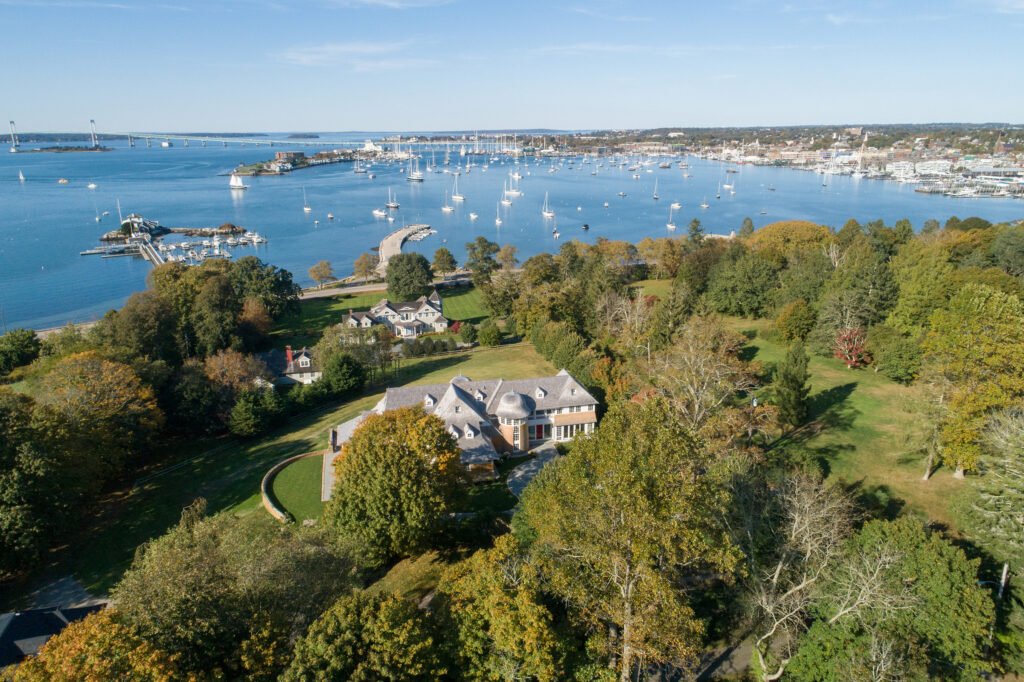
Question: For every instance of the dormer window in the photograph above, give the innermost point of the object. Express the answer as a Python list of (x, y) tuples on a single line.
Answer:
[(479, 395), (458, 409), (428, 400), (572, 391), (455, 432), (303, 362), (470, 433), (540, 393)]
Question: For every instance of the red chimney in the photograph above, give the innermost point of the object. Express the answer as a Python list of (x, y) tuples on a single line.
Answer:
[(288, 354)]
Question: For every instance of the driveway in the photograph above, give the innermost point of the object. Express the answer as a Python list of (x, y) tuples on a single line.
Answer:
[(521, 476)]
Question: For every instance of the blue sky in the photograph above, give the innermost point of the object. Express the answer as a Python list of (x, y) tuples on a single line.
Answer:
[(484, 64)]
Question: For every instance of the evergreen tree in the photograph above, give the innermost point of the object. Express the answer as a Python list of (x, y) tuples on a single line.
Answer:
[(790, 387), (696, 232), (747, 228)]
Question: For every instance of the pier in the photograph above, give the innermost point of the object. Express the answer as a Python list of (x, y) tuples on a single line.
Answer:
[(391, 245)]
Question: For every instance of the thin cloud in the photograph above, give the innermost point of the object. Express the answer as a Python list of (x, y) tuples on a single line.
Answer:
[(582, 49), (359, 56), (630, 18), (1003, 6), (390, 4)]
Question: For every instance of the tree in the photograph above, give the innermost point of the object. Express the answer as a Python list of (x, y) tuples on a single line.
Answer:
[(489, 334), (790, 388), (893, 354), (214, 316), (197, 405), (467, 332), (994, 515), (321, 272), (796, 320), (975, 344), (850, 346), (212, 589), (695, 234), (102, 407), (364, 638), (923, 272), (701, 371), (746, 229), (540, 269), (408, 277), (396, 479), (365, 266), (792, 535), (233, 371), (255, 411), (18, 347), (444, 262), (254, 323), (491, 606), (480, 259), (620, 523), (776, 241), (506, 256), (270, 285), (903, 603), (343, 375), (743, 286), (143, 328), (99, 648)]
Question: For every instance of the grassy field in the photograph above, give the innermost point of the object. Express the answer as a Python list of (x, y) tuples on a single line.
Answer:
[(298, 491), (654, 287), (293, 485), (867, 427), (227, 472), (304, 327)]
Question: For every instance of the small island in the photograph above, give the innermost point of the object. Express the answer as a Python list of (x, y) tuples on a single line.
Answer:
[(288, 161)]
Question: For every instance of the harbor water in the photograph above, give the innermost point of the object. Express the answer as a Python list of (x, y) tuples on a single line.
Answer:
[(44, 225)]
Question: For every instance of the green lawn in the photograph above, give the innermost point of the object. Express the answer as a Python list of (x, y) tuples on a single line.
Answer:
[(292, 487), (227, 472), (867, 425), (654, 287), (412, 578), (464, 304), (303, 328)]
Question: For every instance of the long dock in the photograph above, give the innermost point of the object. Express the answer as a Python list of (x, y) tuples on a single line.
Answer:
[(391, 245)]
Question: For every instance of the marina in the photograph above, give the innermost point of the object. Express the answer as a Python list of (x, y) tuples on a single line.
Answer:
[(44, 226)]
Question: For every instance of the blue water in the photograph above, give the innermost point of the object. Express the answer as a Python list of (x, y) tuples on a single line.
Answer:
[(44, 281)]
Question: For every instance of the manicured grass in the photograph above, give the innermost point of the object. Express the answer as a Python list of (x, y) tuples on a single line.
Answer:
[(866, 428), (292, 487), (488, 497), (304, 327), (227, 472), (653, 287), (464, 304)]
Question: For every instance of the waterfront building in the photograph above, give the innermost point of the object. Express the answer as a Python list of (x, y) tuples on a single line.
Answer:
[(291, 367), (405, 320)]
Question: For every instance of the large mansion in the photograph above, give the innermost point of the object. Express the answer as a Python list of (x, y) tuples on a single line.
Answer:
[(405, 320), (489, 418)]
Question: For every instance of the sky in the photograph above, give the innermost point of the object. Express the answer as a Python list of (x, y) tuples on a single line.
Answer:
[(418, 65)]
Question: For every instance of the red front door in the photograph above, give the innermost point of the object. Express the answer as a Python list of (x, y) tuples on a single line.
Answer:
[(538, 432)]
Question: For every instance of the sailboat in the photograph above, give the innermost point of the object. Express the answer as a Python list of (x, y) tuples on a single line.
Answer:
[(415, 174), (547, 212), (236, 182), (718, 194), (676, 205), (705, 204), (497, 215), (447, 208), (670, 224), (392, 200), (305, 202), (456, 197), (655, 195), (359, 167), (21, 176)]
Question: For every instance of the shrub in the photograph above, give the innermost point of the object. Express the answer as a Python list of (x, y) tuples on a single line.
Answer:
[(489, 334)]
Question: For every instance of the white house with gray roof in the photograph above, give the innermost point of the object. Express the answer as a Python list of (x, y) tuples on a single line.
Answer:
[(405, 320), (492, 417)]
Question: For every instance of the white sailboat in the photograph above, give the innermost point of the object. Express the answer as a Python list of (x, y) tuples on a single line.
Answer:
[(670, 224), (392, 200), (21, 176), (546, 211), (456, 197), (676, 205), (447, 208), (473, 216), (718, 194), (705, 204), (236, 182), (305, 202), (655, 195), (415, 174), (380, 213), (497, 215)]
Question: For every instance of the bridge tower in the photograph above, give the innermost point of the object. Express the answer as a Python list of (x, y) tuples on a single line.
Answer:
[(131, 142), (14, 139), (95, 140)]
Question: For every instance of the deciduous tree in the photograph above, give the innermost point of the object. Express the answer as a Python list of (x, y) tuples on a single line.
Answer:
[(365, 266), (321, 272), (408, 277), (444, 262)]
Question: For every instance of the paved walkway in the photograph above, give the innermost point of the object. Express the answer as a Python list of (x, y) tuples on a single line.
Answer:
[(345, 432), (521, 476)]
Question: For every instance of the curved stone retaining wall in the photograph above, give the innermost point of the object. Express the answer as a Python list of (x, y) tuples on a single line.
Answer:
[(269, 502)]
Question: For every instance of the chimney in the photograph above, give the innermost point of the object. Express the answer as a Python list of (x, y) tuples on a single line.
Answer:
[(288, 354)]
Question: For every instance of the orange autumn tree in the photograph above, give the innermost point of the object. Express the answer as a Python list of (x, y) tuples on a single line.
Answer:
[(97, 649)]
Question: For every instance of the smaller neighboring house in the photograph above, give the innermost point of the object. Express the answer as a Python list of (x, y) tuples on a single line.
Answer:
[(405, 320), (23, 633), (291, 367)]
